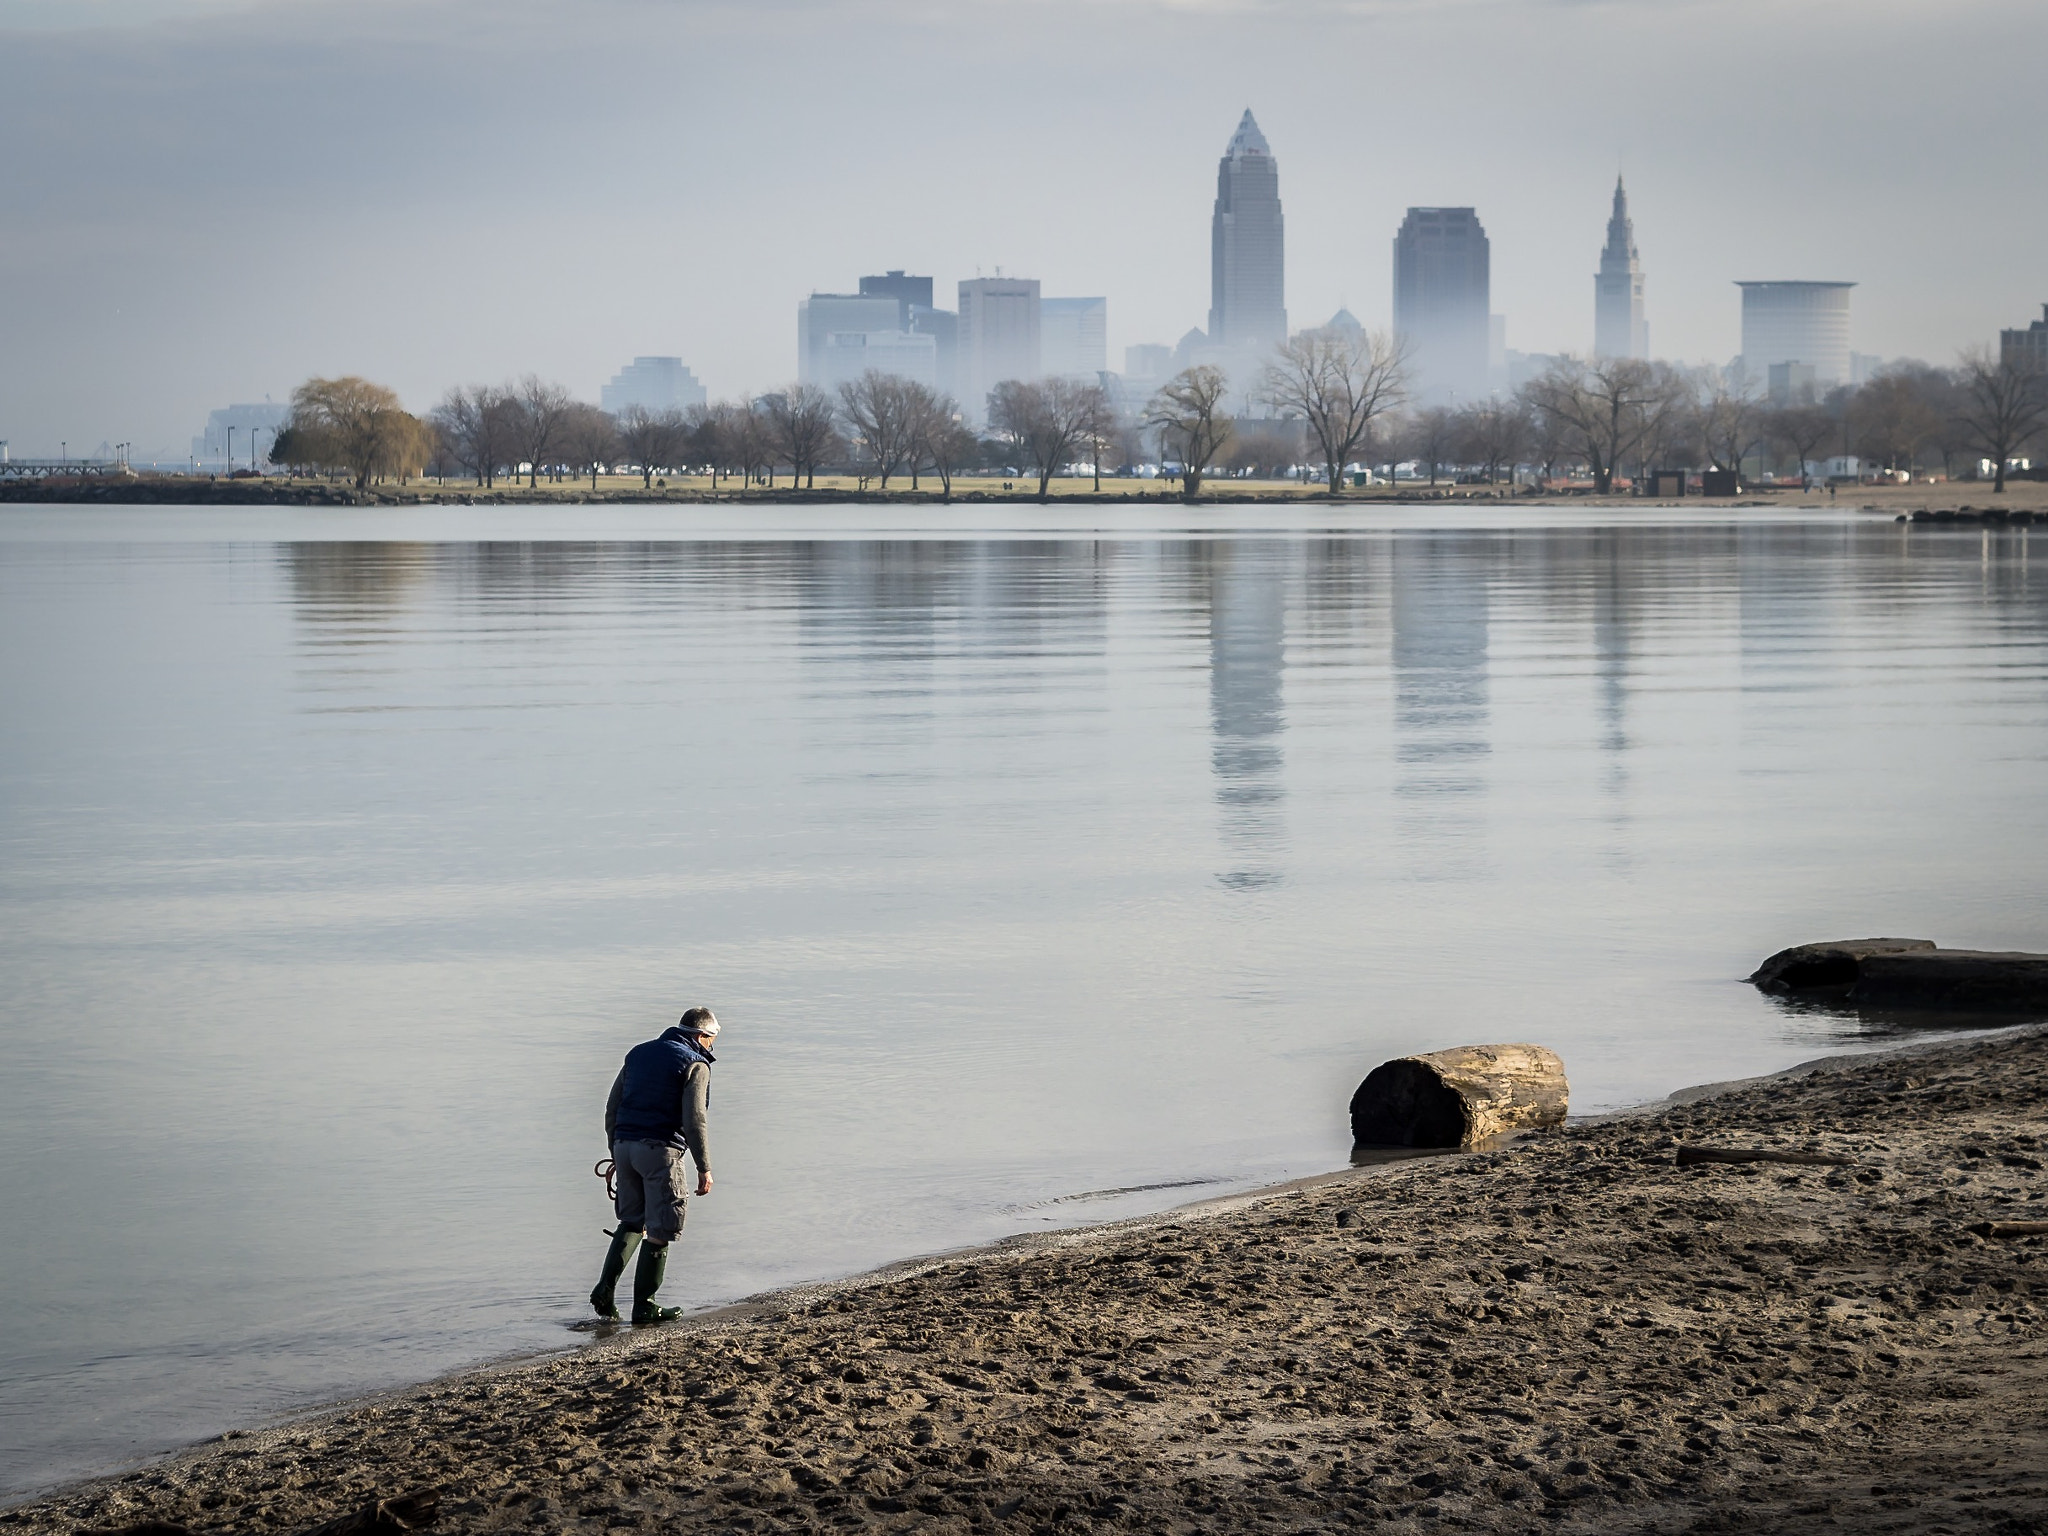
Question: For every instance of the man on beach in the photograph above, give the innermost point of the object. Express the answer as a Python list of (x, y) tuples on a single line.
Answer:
[(659, 1109)]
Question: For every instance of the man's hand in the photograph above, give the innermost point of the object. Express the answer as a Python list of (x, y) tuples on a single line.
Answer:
[(703, 1183)]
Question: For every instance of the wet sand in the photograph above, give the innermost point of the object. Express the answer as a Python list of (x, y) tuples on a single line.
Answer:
[(1573, 1334)]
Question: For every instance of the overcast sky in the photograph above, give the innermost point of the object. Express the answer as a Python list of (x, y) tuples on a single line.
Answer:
[(205, 201)]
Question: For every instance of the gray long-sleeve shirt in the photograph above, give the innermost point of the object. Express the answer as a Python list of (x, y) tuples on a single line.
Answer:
[(693, 1109)]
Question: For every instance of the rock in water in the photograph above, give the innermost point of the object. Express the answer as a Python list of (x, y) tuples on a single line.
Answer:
[(1459, 1097)]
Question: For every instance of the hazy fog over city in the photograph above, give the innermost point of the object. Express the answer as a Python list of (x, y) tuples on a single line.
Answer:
[(208, 201)]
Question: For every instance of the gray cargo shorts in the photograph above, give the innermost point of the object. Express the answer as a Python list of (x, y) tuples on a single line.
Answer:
[(651, 1176)]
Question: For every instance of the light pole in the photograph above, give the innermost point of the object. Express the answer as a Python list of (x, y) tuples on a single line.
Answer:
[(231, 450)]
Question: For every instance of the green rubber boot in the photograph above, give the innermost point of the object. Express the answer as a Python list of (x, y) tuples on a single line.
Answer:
[(646, 1281), (604, 1297)]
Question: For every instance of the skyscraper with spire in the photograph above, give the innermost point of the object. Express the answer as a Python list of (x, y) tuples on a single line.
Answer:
[(1247, 247), (1619, 329)]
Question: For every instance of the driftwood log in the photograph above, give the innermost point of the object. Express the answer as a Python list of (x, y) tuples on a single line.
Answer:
[(2011, 1228), (1459, 1097), (1687, 1156), (1908, 975)]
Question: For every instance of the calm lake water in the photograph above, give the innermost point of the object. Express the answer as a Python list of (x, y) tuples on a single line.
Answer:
[(342, 855)]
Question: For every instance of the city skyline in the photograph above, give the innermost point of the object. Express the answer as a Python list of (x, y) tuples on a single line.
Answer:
[(207, 206)]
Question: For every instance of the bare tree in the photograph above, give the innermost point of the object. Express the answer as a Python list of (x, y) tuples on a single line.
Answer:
[(1100, 430), (475, 421), (919, 403), (589, 438), (536, 411), (1045, 421), (1604, 409), (706, 440), (730, 438), (803, 419), (699, 429), (1187, 414), (1338, 382), (1892, 418), (1433, 437), (1494, 432), (652, 439), (940, 440), (750, 439), (1730, 419), (935, 437), (1943, 396), (442, 459), (877, 420), (1548, 445), (1801, 429), (2002, 406)]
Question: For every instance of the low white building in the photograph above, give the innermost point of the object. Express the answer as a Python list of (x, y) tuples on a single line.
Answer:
[(654, 384)]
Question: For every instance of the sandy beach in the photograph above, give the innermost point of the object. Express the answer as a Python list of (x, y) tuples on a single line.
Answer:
[(1571, 1334)]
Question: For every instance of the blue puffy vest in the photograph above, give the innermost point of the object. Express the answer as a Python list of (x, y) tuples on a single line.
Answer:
[(651, 1098)]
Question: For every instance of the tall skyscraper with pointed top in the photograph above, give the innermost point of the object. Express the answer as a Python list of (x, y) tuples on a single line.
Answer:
[(1247, 246), (1619, 329)]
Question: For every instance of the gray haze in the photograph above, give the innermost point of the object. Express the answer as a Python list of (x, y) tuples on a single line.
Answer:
[(206, 202)]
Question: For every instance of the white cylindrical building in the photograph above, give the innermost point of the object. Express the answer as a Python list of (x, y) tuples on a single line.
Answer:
[(1796, 323)]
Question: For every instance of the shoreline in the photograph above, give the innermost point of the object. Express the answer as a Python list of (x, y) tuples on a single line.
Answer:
[(1036, 1420), (2022, 503)]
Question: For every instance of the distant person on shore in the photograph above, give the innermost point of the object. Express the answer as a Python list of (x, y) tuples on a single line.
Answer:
[(659, 1109)]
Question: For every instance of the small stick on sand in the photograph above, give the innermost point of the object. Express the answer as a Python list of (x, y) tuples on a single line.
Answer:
[(1687, 1156), (2010, 1228)]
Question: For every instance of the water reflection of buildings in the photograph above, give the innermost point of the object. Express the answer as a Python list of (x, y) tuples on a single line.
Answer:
[(1247, 657), (998, 626), (1612, 628), (1441, 708)]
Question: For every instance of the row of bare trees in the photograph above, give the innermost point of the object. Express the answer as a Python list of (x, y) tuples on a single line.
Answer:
[(1346, 392), (1336, 398), (881, 424), (1339, 386), (489, 429), (1610, 416), (1985, 407)]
